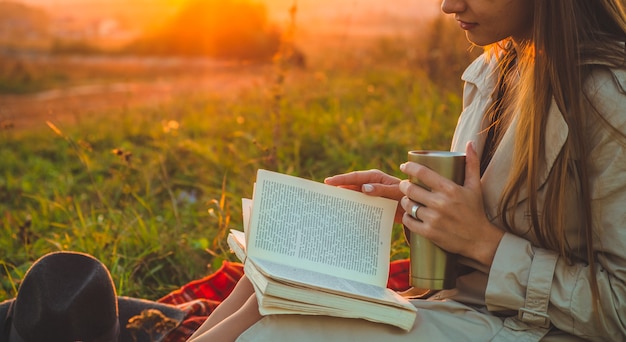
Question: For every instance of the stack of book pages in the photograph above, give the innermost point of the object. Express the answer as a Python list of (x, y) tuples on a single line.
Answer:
[(313, 249)]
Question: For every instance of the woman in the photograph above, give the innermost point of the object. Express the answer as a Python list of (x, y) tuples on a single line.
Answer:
[(540, 219)]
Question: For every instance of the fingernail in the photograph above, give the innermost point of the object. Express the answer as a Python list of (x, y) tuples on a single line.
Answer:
[(402, 166), (368, 188)]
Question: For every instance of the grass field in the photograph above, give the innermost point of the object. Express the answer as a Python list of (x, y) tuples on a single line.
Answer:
[(152, 191)]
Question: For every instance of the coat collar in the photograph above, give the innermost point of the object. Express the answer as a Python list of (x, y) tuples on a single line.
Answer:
[(480, 81)]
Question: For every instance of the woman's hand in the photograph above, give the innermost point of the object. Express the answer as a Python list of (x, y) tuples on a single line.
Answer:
[(371, 182), (452, 216)]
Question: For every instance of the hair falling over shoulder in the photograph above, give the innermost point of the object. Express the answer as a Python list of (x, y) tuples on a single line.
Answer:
[(570, 37)]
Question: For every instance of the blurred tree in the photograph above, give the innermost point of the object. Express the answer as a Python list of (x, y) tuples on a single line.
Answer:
[(22, 27), (234, 29)]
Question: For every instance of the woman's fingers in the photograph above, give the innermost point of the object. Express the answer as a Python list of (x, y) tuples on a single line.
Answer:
[(373, 183), (358, 178)]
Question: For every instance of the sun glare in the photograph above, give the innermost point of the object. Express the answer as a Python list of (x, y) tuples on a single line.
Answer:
[(173, 2)]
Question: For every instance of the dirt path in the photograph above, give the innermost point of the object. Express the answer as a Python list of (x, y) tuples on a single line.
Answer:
[(71, 105)]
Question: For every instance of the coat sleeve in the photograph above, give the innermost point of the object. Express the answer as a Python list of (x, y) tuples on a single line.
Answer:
[(546, 289)]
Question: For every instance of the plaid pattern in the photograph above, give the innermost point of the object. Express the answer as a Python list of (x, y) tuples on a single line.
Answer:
[(200, 297), (399, 275)]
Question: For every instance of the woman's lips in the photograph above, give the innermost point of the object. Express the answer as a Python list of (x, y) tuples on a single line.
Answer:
[(467, 26)]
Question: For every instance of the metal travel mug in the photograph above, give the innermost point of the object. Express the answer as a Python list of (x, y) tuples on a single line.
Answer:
[(432, 267)]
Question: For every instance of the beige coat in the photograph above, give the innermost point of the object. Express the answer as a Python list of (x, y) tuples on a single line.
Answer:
[(529, 291)]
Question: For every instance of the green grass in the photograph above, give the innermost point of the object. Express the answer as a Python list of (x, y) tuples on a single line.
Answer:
[(152, 192)]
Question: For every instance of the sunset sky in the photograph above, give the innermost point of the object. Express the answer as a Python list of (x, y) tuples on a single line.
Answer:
[(144, 11), (112, 24)]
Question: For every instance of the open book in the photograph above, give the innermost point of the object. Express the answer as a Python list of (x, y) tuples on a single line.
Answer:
[(314, 249)]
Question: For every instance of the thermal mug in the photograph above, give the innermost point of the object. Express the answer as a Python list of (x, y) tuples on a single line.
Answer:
[(432, 267)]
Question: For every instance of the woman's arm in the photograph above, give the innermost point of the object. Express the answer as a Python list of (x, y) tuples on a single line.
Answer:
[(522, 271)]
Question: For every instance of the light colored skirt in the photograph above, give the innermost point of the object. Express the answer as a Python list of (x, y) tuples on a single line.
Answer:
[(437, 320)]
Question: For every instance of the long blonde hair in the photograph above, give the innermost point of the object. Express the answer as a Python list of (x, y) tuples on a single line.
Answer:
[(570, 37)]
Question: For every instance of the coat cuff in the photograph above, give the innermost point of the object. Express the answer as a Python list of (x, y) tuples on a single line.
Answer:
[(520, 279)]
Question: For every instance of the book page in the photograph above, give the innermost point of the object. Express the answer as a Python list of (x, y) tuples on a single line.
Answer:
[(246, 211), (237, 242), (331, 285), (322, 228)]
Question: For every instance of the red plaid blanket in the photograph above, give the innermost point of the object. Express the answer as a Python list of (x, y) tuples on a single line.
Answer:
[(200, 297)]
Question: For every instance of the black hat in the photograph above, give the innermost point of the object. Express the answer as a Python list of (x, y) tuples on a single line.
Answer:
[(69, 296)]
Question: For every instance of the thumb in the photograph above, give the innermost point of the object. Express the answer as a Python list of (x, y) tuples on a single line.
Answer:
[(472, 166)]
